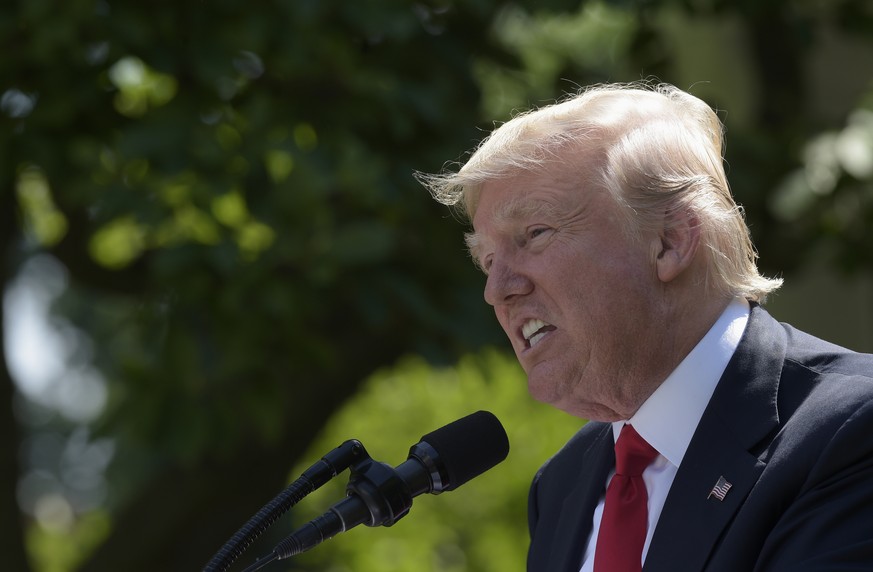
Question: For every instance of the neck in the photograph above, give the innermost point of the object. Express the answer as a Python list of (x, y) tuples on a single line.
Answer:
[(689, 320)]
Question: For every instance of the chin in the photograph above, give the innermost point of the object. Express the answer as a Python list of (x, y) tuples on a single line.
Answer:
[(546, 391), (543, 392)]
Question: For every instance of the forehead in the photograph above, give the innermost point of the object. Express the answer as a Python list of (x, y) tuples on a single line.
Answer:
[(526, 196)]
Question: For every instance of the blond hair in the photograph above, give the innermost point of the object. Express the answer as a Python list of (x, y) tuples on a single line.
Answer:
[(658, 150)]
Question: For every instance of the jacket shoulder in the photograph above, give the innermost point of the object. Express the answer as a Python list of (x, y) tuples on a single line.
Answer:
[(570, 459)]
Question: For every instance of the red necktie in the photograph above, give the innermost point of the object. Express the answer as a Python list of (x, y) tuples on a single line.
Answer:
[(625, 515)]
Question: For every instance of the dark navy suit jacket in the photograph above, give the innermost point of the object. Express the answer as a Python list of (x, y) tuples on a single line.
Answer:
[(789, 426)]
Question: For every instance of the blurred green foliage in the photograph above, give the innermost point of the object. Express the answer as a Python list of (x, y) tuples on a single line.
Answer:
[(62, 550), (227, 189)]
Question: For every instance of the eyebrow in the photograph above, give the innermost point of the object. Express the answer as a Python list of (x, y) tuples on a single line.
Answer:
[(524, 207)]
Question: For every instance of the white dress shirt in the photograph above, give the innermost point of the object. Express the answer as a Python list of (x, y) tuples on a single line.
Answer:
[(668, 418)]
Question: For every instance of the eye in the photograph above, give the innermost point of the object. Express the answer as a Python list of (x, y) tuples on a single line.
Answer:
[(535, 237), (536, 231), (485, 264)]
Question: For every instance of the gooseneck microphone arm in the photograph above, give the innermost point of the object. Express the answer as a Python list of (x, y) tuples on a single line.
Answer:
[(379, 495), (333, 463)]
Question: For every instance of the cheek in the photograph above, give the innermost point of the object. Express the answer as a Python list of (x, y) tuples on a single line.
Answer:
[(607, 296)]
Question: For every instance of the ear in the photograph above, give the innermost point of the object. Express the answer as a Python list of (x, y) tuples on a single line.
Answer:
[(680, 240)]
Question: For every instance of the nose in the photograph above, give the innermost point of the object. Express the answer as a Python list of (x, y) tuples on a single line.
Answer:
[(504, 283)]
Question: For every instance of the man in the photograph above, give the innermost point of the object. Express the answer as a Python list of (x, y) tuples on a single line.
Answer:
[(623, 273)]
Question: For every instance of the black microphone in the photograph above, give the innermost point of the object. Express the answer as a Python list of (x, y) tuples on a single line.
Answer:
[(379, 495)]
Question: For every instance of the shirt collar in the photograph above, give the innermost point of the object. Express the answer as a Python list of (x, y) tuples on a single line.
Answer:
[(668, 418)]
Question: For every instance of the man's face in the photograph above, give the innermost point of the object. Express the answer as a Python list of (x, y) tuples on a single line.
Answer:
[(578, 298)]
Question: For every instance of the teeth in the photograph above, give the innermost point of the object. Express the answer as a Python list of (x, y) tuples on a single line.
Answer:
[(530, 327), (529, 331), (536, 338)]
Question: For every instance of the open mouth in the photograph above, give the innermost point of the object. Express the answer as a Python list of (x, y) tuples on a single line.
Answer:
[(534, 331)]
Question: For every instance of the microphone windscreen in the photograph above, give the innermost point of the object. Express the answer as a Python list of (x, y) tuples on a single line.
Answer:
[(469, 446)]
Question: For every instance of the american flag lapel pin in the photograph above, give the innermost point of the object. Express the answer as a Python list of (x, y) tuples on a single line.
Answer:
[(720, 489)]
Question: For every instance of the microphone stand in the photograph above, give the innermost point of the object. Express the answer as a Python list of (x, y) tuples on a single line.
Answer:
[(377, 495), (312, 478)]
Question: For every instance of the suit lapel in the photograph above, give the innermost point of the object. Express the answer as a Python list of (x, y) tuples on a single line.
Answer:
[(740, 415), (574, 525), (693, 518)]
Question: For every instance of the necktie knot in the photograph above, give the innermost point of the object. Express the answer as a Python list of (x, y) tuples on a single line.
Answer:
[(632, 453)]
